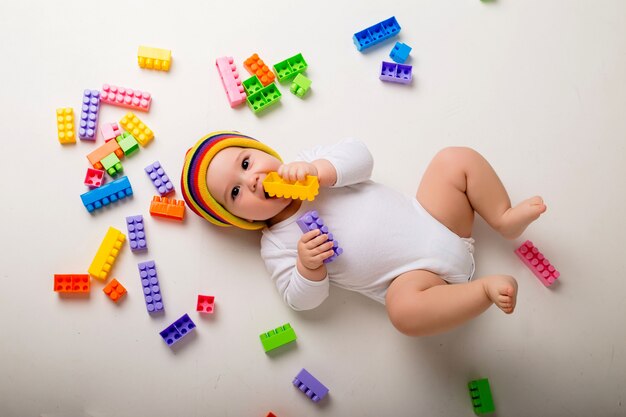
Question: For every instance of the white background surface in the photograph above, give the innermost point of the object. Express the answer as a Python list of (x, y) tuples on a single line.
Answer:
[(537, 87)]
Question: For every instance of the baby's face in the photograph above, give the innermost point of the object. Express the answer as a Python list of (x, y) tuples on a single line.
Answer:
[(235, 179)]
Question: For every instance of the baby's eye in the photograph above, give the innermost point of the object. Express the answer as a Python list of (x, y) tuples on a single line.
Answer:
[(235, 192), (245, 163)]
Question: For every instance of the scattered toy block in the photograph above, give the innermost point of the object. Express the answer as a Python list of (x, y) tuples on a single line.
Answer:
[(396, 73), (137, 128), (537, 263), (230, 80), (278, 337), (65, 125), (177, 330), (206, 304), (111, 164), (102, 152), (89, 115), (300, 85), (275, 186), (110, 131), (159, 178), (311, 387), (72, 283), (150, 285), (480, 394), (94, 178), (136, 233), (107, 254), (127, 143), (259, 97), (311, 221), (270, 414), (256, 66), (290, 67), (126, 97), (108, 193), (114, 290), (167, 208), (400, 52), (376, 33), (154, 58)]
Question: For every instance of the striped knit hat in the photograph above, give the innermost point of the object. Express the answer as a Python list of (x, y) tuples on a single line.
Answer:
[(193, 179)]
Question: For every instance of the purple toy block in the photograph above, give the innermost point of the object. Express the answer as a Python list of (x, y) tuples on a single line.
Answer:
[(150, 284), (136, 233), (311, 387), (159, 178), (177, 330), (89, 115), (396, 73), (311, 221)]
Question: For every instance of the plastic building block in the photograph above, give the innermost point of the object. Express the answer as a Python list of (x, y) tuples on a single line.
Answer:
[(110, 131), (480, 394), (111, 164), (89, 115), (376, 34), (177, 330), (311, 387), (135, 127), (260, 97), (151, 288), (114, 290), (270, 414), (206, 304), (159, 178), (400, 52), (311, 221), (230, 80), (290, 67), (537, 263), (66, 131), (274, 185), (168, 208), (72, 283), (136, 233), (154, 58), (103, 151), (300, 85), (107, 254), (128, 143), (108, 193), (94, 178), (396, 73), (126, 97), (256, 66), (278, 337)]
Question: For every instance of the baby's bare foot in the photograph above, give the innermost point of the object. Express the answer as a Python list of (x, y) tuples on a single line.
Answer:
[(516, 219), (502, 290)]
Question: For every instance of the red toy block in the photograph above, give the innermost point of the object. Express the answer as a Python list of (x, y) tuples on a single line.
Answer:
[(256, 66), (538, 264), (206, 303), (110, 131), (114, 290), (270, 414), (94, 178), (72, 283), (168, 208)]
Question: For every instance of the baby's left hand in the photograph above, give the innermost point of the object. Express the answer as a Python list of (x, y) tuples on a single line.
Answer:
[(296, 171)]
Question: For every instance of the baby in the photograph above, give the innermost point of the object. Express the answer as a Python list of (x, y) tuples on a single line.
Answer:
[(400, 251)]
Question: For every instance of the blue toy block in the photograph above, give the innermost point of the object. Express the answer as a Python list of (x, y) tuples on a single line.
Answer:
[(108, 193), (376, 34), (400, 52), (150, 284), (136, 233), (177, 330), (311, 221), (87, 129), (396, 73), (159, 178), (311, 387)]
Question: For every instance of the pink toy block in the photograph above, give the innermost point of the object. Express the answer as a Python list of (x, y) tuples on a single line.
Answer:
[(538, 264), (125, 97), (110, 131), (206, 303), (94, 178), (230, 80)]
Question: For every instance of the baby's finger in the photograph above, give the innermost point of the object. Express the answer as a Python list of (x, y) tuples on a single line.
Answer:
[(317, 241), (308, 236), (302, 171)]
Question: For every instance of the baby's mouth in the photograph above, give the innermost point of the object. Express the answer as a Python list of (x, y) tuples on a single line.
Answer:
[(266, 195)]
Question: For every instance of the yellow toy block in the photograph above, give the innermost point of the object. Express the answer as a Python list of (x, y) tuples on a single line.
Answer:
[(65, 125), (137, 128), (154, 58), (107, 253), (303, 190)]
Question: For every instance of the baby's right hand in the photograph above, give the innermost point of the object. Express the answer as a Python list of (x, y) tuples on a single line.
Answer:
[(314, 248)]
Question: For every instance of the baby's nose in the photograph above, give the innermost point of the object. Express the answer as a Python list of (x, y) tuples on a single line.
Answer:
[(253, 181)]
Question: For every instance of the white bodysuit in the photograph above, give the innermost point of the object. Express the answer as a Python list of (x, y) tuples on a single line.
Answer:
[(383, 234)]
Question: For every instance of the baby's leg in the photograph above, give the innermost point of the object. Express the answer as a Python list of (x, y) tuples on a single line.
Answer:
[(420, 303), (459, 181)]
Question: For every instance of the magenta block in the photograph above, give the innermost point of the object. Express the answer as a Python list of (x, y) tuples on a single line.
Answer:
[(94, 178), (396, 73), (538, 264), (126, 97), (87, 128), (159, 178), (206, 303), (136, 233), (311, 221)]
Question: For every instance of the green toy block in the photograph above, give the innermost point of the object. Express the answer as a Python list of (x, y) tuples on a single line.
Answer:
[(290, 67), (263, 98), (252, 85), (278, 337), (112, 164), (481, 396), (128, 143), (300, 85)]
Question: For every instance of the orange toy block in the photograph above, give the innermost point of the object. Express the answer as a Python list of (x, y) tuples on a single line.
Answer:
[(103, 151), (256, 66), (114, 290), (72, 283), (168, 208)]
